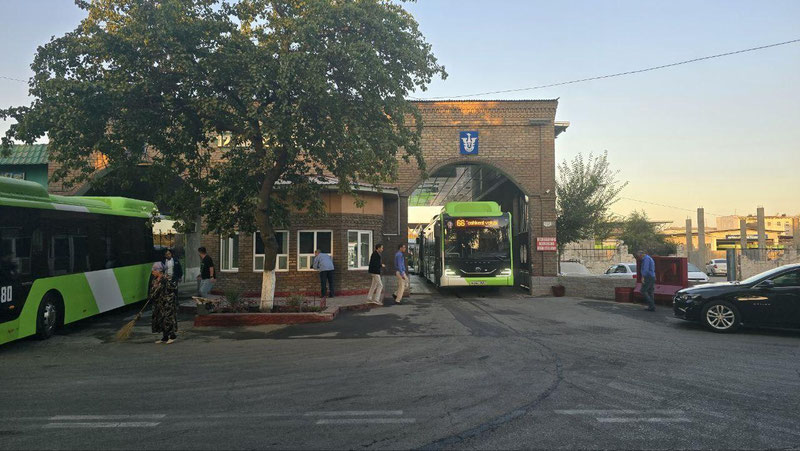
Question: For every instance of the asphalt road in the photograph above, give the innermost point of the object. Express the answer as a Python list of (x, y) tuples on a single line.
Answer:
[(464, 369)]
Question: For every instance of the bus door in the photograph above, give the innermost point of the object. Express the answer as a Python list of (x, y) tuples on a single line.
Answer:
[(18, 257)]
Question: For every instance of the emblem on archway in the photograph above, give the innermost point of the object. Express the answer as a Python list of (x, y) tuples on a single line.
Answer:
[(468, 143)]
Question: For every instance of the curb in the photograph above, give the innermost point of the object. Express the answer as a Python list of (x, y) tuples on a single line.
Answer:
[(257, 319)]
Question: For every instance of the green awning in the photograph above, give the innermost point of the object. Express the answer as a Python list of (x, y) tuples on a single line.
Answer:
[(24, 154)]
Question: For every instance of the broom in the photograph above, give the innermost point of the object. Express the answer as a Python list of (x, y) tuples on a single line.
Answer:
[(127, 330)]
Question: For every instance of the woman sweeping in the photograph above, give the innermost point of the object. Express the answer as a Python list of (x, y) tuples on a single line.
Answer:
[(165, 312)]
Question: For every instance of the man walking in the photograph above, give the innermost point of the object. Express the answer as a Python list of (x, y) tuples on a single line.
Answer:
[(324, 264), (207, 277), (648, 268), (400, 272), (375, 295)]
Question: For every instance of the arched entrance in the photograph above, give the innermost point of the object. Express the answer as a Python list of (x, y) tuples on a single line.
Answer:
[(466, 182), (512, 143)]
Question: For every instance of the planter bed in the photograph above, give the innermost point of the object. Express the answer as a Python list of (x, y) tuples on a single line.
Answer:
[(255, 319)]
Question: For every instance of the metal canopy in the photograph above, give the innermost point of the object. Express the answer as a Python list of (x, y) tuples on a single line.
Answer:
[(461, 183)]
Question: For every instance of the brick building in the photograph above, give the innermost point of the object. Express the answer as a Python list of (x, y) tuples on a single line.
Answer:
[(516, 138)]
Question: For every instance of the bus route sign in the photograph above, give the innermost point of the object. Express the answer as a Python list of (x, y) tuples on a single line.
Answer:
[(546, 244), (477, 223)]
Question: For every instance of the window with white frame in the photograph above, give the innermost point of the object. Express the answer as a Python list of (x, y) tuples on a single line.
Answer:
[(229, 253), (282, 257), (359, 243), (310, 240)]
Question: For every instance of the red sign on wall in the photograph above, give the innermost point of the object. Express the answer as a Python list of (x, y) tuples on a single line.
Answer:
[(546, 244)]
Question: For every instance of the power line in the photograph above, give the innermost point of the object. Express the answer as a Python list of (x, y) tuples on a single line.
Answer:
[(618, 74), (667, 206), (13, 79)]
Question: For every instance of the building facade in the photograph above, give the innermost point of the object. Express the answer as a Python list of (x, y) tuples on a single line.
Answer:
[(516, 138), (26, 162)]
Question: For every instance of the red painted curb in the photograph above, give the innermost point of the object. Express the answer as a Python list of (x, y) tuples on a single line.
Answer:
[(255, 319)]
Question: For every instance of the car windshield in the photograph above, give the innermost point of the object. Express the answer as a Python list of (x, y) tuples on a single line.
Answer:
[(693, 268), (632, 267), (763, 275), (477, 238)]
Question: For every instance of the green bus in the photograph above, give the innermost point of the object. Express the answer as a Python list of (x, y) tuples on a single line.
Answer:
[(468, 244), (65, 258)]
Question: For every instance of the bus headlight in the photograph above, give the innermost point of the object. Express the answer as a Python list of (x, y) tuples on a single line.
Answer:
[(506, 272), (449, 272)]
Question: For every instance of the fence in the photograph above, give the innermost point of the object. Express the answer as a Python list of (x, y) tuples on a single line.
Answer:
[(597, 260)]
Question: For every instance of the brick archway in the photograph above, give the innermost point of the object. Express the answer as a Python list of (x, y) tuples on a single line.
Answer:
[(515, 137)]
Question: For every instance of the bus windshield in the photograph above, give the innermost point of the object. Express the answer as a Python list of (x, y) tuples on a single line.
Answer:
[(477, 238)]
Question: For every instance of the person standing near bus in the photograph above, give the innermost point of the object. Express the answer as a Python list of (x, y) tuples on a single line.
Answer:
[(324, 264), (375, 295), (172, 267), (165, 309), (207, 277), (401, 273)]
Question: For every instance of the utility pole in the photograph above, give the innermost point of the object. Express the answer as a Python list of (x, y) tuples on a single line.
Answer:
[(762, 234), (701, 236), (689, 245)]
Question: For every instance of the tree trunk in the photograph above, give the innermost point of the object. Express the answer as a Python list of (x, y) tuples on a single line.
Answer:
[(267, 291), (270, 247), (265, 225)]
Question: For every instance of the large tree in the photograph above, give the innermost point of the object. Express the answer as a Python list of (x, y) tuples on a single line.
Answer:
[(297, 90), (639, 233), (585, 190)]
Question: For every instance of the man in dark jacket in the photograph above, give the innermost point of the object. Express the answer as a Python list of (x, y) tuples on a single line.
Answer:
[(172, 267), (375, 265)]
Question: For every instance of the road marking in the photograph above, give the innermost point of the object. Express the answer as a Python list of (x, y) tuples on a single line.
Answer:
[(367, 421), (354, 413), (644, 420), (156, 416), (617, 412), (133, 424)]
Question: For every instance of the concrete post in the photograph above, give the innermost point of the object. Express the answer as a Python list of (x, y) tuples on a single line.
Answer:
[(689, 246), (796, 232), (701, 236), (743, 236), (762, 234)]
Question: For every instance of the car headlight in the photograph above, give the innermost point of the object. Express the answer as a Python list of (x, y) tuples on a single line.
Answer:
[(449, 272), (506, 272), (687, 297)]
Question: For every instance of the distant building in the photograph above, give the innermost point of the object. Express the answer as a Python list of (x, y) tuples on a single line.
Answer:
[(778, 223), (26, 162), (719, 239)]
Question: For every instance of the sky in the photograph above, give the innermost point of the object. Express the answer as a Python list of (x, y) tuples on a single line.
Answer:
[(720, 134)]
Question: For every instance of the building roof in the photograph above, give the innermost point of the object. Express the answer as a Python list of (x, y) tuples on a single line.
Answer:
[(26, 154)]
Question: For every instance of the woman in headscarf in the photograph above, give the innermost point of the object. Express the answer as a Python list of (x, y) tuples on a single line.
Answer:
[(165, 311)]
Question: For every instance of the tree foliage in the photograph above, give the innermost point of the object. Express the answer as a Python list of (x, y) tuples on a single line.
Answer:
[(299, 90), (638, 233), (585, 189)]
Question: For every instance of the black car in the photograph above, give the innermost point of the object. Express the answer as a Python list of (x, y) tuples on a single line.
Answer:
[(771, 298)]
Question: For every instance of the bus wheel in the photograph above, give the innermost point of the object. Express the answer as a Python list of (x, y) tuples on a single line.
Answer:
[(47, 318)]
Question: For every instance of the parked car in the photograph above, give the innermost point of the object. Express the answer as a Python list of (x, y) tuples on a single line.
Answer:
[(621, 271), (574, 269), (771, 299), (696, 275), (717, 267)]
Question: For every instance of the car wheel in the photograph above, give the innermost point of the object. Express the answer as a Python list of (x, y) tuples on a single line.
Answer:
[(47, 319), (721, 316)]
